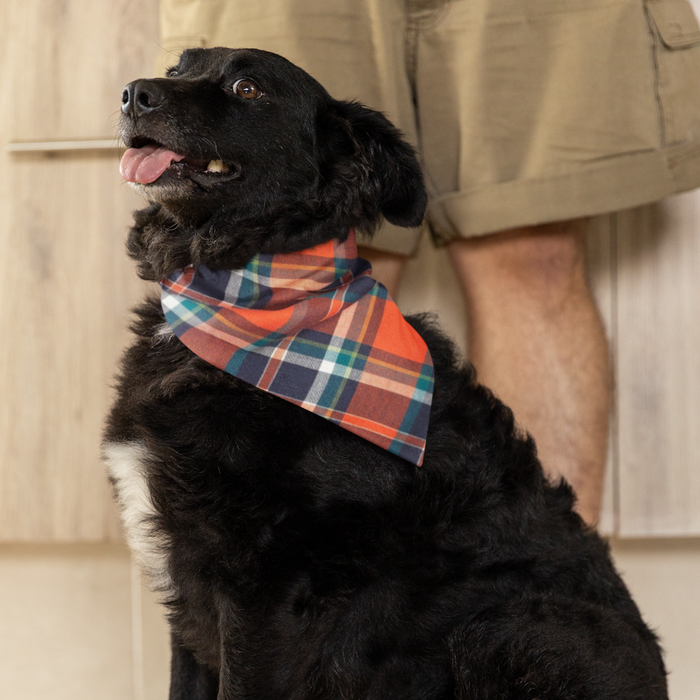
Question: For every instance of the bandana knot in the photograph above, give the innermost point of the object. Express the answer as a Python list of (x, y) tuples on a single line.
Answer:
[(314, 328)]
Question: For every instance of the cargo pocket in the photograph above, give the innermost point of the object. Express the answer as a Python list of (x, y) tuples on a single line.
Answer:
[(675, 23), (676, 45)]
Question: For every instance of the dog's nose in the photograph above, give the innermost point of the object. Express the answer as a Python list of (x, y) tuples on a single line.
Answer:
[(142, 97)]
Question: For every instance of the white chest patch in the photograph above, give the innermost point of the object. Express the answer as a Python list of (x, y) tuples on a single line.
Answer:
[(163, 334), (126, 463)]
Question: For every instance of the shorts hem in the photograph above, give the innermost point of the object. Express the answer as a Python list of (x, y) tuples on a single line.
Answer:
[(623, 183)]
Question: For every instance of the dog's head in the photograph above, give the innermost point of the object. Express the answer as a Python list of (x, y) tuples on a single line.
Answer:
[(240, 152)]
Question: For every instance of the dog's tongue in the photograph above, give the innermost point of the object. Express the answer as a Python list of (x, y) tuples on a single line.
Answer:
[(146, 164)]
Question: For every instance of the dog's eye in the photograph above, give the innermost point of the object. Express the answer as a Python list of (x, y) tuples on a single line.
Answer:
[(247, 89), (171, 72)]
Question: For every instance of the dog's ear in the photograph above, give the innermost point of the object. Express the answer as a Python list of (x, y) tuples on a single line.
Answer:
[(362, 155)]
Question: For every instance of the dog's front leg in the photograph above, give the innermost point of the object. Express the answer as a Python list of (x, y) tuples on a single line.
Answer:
[(189, 680), (242, 674)]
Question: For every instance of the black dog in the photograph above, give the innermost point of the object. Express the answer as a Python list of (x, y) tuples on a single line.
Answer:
[(297, 559)]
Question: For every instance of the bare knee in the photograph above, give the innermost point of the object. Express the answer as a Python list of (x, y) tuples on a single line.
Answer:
[(545, 263)]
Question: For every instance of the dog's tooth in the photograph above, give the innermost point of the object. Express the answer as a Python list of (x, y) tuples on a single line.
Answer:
[(217, 166)]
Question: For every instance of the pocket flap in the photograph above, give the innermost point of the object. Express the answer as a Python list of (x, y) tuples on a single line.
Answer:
[(675, 22)]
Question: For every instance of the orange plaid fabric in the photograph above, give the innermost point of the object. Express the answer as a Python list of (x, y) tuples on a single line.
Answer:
[(315, 329)]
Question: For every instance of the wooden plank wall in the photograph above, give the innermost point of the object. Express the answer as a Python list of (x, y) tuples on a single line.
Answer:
[(66, 283), (66, 287), (658, 368)]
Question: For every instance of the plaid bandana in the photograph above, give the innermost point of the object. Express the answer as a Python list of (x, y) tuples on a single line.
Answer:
[(315, 329)]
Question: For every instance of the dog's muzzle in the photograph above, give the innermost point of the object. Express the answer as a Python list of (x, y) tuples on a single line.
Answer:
[(142, 97)]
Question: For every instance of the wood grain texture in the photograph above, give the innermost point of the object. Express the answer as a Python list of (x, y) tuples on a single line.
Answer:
[(67, 286), (150, 625), (659, 368), (67, 283), (66, 627)]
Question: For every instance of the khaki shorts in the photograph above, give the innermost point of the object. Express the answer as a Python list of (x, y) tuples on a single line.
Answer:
[(523, 111)]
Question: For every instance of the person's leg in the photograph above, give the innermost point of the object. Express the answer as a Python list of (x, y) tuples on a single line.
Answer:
[(387, 268), (537, 340)]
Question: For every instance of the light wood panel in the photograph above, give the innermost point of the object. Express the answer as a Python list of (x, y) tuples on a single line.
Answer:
[(659, 368), (66, 623), (66, 284), (71, 60), (152, 665), (664, 578)]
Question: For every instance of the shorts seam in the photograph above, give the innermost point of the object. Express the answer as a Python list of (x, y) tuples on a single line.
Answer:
[(410, 55), (655, 46)]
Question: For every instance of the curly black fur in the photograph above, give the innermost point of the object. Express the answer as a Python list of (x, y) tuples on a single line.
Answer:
[(307, 166), (302, 561)]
